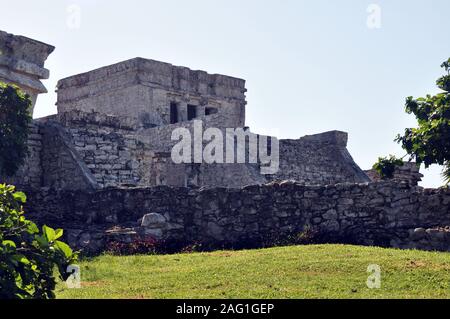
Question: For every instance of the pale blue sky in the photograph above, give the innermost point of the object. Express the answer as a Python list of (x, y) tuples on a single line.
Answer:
[(311, 66)]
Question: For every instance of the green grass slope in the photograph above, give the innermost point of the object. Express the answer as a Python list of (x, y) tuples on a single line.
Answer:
[(318, 271)]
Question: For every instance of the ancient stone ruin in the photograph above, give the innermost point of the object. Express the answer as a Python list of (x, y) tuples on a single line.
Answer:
[(102, 167)]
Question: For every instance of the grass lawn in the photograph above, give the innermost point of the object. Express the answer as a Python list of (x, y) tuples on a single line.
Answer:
[(319, 271)]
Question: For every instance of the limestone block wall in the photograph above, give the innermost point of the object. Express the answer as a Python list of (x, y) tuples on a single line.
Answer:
[(118, 153), (382, 213), (52, 160), (109, 148), (62, 167), (318, 159), (218, 174), (230, 175), (159, 138), (30, 174), (95, 150), (164, 172), (435, 238)]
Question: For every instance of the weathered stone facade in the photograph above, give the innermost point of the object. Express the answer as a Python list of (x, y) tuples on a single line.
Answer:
[(147, 90)]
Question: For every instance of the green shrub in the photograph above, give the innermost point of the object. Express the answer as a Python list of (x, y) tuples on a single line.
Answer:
[(385, 166), (28, 258), (15, 119)]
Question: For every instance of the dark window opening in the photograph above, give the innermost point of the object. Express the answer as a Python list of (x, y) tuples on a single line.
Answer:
[(191, 112), (173, 113), (210, 111)]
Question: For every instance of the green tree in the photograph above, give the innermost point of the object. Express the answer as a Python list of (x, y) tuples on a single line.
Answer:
[(429, 143), (15, 119), (28, 258)]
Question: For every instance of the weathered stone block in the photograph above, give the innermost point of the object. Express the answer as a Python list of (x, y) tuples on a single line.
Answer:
[(153, 220)]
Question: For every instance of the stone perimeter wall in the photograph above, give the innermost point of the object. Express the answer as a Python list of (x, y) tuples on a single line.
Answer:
[(381, 213)]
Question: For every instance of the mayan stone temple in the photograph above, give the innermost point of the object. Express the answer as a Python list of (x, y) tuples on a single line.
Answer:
[(102, 168)]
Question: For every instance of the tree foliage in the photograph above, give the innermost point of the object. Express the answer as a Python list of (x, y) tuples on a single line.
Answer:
[(28, 257), (429, 143), (15, 119), (385, 166)]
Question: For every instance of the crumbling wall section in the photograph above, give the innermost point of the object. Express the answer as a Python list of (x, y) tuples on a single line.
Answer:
[(409, 173), (318, 159)]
